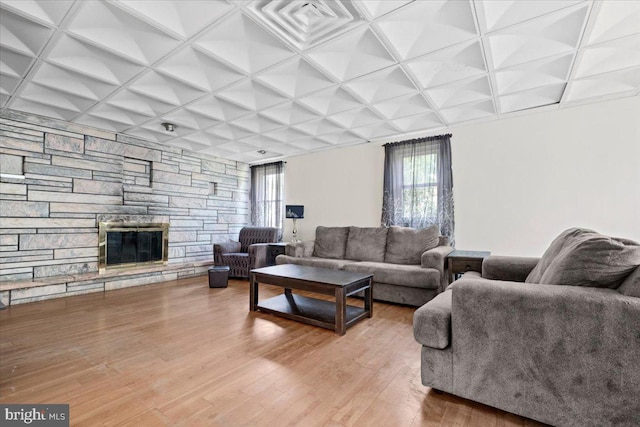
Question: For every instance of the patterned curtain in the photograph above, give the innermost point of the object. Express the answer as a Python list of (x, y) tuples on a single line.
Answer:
[(266, 194), (418, 184)]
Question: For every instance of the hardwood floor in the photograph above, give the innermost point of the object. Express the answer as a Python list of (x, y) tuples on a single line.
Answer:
[(182, 354)]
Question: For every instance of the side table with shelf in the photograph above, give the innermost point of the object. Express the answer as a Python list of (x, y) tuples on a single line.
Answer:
[(273, 251), (459, 262)]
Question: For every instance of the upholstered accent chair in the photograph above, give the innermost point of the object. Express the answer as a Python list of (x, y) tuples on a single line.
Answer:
[(556, 338), (248, 253)]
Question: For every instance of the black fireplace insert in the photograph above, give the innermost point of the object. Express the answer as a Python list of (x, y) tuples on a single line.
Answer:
[(132, 244)]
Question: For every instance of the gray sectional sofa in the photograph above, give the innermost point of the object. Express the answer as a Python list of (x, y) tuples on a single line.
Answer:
[(408, 265), (555, 339)]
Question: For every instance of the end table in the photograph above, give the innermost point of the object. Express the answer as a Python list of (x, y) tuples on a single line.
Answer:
[(459, 262)]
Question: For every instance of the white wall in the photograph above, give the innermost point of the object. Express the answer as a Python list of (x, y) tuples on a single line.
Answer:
[(518, 182), (337, 187)]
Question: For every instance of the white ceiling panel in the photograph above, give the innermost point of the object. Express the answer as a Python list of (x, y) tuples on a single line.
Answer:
[(182, 18), (256, 80), (460, 92), (96, 63), (497, 14), (14, 64), (252, 95), (402, 106), (378, 130), (119, 32), (140, 104), (609, 56), (615, 19), (295, 78), (244, 44), (216, 108), (49, 13), (552, 34), (353, 55), (442, 23), (448, 65), (289, 113), (355, 118), (199, 70), (23, 35), (534, 74), (418, 122), (624, 82), (330, 101), (376, 8), (468, 112), (381, 85), (538, 97)]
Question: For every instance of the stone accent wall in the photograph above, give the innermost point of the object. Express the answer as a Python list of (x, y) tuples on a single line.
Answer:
[(58, 178)]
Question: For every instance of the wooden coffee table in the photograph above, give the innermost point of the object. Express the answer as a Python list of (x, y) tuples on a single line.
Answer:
[(336, 316)]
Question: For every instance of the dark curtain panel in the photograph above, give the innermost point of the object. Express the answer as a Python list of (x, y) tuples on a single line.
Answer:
[(266, 194), (418, 184)]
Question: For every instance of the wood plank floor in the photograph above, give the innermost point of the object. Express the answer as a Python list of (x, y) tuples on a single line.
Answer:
[(182, 354)]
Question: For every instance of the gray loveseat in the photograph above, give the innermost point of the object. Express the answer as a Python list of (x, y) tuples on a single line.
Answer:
[(408, 265), (563, 354)]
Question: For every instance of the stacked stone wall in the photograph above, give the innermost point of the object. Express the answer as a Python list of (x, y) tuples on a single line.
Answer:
[(59, 179)]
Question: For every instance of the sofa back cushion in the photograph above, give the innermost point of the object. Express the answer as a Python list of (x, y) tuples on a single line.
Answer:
[(366, 244), (631, 285), (331, 242), (251, 235), (551, 253), (587, 258), (405, 245)]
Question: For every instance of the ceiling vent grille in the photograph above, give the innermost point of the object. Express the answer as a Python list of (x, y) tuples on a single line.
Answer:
[(305, 23)]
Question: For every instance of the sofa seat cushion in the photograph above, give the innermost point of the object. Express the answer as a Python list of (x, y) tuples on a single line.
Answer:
[(412, 276), (587, 258), (331, 242), (406, 245), (335, 264), (235, 257), (366, 244), (432, 322)]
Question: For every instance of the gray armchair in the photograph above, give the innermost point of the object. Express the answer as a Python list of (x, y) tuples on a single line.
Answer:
[(564, 354), (248, 253)]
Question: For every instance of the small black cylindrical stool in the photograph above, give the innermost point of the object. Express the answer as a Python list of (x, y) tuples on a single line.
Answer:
[(218, 276)]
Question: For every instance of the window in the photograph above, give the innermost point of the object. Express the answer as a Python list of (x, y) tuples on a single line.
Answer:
[(418, 187), (267, 189)]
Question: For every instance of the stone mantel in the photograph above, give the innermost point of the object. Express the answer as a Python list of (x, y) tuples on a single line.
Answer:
[(133, 218)]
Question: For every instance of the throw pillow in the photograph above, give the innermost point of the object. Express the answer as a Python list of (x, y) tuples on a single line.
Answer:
[(406, 245), (331, 242), (551, 253), (366, 244), (592, 259)]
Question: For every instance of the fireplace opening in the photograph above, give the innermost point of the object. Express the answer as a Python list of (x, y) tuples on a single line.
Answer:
[(126, 245)]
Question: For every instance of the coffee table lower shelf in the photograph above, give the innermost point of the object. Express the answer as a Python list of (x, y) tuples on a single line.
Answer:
[(309, 310)]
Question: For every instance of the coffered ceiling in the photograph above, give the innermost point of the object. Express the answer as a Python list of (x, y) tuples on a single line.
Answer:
[(258, 80)]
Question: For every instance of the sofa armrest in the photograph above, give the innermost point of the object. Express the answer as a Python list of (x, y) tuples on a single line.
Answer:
[(523, 345), (510, 268), (435, 258), (432, 322), (224, 248), (258, 255), (300, 249)]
